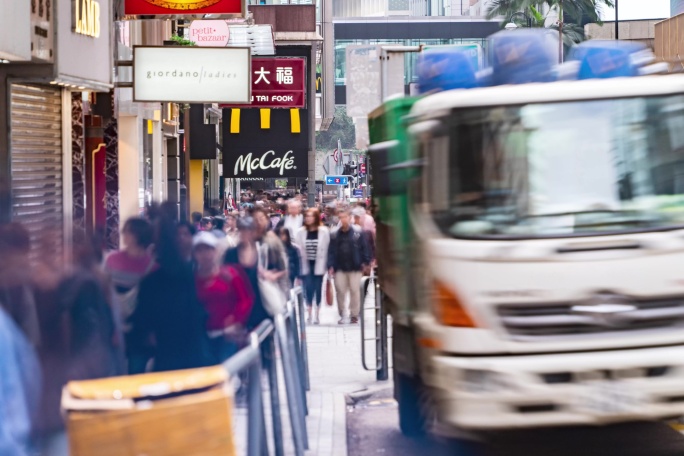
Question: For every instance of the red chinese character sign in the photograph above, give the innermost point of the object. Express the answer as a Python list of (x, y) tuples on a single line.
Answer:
[(278, 83), (184, 7)]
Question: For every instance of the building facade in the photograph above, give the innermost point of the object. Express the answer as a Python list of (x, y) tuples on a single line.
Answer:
[(427, 31), (58, 60)]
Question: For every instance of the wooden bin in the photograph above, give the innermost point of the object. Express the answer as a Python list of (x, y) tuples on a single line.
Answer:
[(182, 413)]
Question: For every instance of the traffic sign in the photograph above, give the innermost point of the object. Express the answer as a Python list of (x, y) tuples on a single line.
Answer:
[(362, 169), (358, 193), (336, 180)]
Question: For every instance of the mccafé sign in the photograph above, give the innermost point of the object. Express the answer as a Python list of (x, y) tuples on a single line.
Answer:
[(86, 17), (273, 152), (267, 162)]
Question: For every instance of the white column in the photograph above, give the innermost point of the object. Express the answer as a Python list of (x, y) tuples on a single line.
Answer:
[(158, 170), (67, 174), (129, 167)]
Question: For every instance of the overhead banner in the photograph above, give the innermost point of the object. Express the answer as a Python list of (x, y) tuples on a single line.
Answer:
[(274, 149), (191, 74), (278, 83), (184, 7)]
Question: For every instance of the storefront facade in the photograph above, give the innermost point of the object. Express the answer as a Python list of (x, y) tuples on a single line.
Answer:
[(46, 94)]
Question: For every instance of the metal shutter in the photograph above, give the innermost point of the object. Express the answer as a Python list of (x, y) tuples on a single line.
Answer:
[(36, 160)]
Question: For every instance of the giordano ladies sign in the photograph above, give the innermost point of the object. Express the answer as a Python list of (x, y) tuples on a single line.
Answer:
[(192, 74), (86, 17)]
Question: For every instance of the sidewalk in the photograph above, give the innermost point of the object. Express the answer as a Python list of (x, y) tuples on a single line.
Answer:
[(335, 370)]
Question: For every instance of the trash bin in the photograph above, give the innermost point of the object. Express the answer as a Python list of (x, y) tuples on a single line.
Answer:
[(161, 414)]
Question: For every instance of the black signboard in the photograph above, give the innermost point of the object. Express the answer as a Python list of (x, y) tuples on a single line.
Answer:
[(273, 152), (201, 136)]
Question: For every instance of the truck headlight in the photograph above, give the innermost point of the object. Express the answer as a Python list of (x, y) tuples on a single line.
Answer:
[(485, 381)]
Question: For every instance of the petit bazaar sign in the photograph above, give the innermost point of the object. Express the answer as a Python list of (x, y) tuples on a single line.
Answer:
[(184, 7)]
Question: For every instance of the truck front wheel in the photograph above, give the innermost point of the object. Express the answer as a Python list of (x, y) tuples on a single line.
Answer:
[(411, 396)]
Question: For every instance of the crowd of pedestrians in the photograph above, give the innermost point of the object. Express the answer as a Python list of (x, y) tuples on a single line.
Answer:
[(177, 295)]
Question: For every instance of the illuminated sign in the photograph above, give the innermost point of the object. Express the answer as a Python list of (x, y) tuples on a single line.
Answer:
[(184, 7), (278, 83), (86, 17)]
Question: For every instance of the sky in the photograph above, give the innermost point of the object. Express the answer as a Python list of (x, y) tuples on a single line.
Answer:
[(639, 9)]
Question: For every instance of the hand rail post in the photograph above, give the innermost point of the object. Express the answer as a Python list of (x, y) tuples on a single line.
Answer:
[(383, 370), (275, 397), (362, 319), (291, 321), (298, 300), (297, 418), (255, 421)]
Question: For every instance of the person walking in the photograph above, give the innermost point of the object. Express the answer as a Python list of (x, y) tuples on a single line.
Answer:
[(294, 255), (127, 267), (20, 379), (348, 257), (225, 293), (246, 256), (314, 239), (168, 318), (294, 218)]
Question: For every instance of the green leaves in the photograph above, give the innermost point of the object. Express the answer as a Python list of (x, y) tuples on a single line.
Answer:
[(574, 13), (182, 41)]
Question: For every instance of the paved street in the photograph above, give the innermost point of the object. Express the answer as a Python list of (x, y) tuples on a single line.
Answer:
[(373, 430), (335, 371)]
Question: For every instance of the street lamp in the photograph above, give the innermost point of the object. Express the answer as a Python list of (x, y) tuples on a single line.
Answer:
[(528, 19)]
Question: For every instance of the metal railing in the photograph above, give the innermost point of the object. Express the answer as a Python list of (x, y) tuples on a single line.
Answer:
[(259, 355), (381, 332)]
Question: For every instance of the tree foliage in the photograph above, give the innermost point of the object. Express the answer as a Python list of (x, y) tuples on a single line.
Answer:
[(574, 13), (342, 128), (182, 41)]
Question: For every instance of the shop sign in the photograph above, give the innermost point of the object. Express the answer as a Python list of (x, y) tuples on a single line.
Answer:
[(210, 33), (275, 164), (184, 7), (273, 152), (278, 83), (86, 17), (42, 30), (191, 74)]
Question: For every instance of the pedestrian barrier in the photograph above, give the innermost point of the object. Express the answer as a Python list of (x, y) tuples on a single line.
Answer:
[(297, 297), (381, 333), (260, 355)]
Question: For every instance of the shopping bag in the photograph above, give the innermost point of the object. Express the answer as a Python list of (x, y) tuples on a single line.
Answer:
[(329, 291)]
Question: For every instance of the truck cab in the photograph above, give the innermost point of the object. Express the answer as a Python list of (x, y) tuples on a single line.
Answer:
[(529, 238)]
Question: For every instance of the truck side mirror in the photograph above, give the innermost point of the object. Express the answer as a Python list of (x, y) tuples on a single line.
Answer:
[(390, 178)]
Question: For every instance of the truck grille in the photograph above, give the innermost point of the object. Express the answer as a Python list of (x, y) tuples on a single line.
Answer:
[(527, 321)]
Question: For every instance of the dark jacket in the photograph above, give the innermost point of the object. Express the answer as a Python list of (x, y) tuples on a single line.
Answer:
[(170, 314), (294, 257), (359, 249)]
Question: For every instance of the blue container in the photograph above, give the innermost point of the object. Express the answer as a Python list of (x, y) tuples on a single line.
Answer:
[(604, 59), (522, 56), (445, 69)]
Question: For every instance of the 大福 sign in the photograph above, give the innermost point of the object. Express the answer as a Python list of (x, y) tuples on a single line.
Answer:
[(278, 83), (184, 7)]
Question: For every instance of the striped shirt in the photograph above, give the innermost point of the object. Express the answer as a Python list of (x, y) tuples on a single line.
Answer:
[(311, 245)]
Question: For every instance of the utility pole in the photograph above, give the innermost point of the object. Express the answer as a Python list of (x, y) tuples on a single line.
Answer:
[(560, 32), (617, 23)]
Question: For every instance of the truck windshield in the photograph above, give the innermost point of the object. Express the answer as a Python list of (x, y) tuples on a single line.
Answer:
[(559, 169)]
